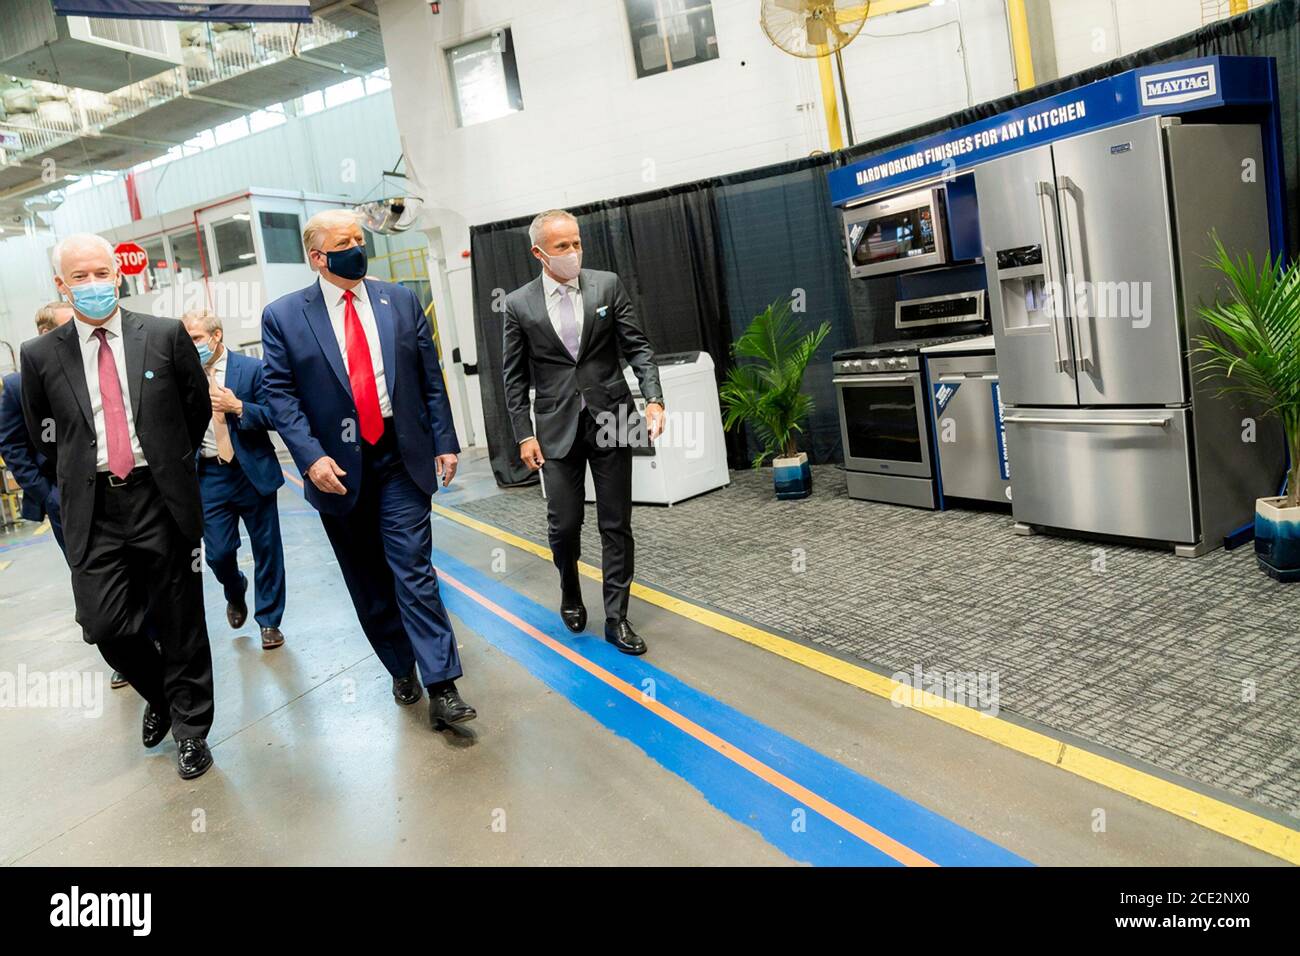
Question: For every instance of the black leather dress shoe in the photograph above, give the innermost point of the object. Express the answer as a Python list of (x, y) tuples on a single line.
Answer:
[(117, 680), (237, 611), (271, 638), (446, 707), (574, 615), (624, 638), (193, 758), (154, 727), (407, 690)]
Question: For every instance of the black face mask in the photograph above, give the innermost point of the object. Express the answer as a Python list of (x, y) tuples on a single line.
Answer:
[(347, 263)]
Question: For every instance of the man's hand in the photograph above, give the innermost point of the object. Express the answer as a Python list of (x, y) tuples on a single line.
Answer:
[(325, 473), (446, 465), (531, 453), (224, 400), (654, 417)]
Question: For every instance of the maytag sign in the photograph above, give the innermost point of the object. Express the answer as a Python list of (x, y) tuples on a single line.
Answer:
[(1166, 88), (274, 11), (1179, 86)]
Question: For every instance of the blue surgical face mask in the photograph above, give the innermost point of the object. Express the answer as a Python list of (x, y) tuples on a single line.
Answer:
[(95, 300), (347, 263), (205, 353)]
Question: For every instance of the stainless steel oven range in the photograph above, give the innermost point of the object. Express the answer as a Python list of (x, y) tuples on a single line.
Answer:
[(884, 411)]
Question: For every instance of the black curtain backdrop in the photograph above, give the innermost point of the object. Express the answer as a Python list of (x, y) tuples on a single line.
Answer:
[(701, 259)]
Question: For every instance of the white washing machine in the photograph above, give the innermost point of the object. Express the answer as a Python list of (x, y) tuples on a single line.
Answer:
[(690, 457)]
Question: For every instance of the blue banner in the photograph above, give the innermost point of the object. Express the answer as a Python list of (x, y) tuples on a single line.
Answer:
[(1167, 88), (277, 11), (1000, 431)]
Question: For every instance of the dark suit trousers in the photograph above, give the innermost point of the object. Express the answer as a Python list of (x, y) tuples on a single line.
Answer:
[(228, 496), (138, 563), (384, 546), (611, 473), (56, 526)]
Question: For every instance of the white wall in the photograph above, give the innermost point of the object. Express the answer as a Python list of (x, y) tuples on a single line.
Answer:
[(907, 68), (590, 129), (1089, 32)]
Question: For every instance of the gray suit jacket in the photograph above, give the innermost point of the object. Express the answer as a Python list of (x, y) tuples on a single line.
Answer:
[(533, 355)]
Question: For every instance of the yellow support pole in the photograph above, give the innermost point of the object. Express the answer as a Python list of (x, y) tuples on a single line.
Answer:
[(1238, 6), (1019, 21), (830, 102)]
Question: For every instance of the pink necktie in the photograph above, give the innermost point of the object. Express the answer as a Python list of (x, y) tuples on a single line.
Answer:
[(120, 459)]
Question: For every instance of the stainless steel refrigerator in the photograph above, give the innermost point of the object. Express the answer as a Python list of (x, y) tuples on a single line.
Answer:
[(1095, 250)]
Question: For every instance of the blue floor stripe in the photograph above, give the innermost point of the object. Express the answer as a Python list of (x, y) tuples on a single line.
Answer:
[(801, 833)]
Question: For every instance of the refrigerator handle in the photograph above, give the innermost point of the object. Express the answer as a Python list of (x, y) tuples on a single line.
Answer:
[(1035, 420), (1082, 319), (1045, 189)]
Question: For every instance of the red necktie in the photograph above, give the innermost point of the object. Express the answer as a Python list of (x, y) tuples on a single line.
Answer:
[(361, 372), (120, 458)]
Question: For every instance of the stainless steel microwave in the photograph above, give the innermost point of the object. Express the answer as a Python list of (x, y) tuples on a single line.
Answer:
[(898, 233)]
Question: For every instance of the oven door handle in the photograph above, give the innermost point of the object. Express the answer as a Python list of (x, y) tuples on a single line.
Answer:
[(1027, 420), (873, 379)]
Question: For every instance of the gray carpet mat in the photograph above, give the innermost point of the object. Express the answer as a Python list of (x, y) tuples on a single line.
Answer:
[(1191, 665)]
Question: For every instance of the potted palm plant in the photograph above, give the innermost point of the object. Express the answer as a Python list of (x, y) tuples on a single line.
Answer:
[(1254, 348), (767, 393)]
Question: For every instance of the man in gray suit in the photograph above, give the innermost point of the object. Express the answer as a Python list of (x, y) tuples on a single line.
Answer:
[(564, 335)]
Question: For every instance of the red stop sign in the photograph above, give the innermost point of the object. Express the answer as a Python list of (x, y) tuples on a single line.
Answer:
[(131, 259)]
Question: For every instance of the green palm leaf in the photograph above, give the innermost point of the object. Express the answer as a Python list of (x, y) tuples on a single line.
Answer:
[(766, 392), (1253, 346)]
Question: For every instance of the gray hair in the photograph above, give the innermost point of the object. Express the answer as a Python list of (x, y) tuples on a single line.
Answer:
[(209, 319), (79, 239), (324, 221), (542, 218)]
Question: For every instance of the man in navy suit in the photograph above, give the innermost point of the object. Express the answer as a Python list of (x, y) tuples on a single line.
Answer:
[(40, 493), (355, 390), (239, 476)]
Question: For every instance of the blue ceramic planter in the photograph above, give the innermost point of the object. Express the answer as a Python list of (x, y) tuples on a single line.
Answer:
[(792, 477), (1277, 539)]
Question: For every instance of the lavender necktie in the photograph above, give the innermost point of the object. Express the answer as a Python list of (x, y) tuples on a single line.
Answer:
[(568, 322)]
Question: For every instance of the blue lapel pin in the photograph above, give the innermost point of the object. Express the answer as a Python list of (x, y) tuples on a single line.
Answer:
[(602, 310), (149, 374)]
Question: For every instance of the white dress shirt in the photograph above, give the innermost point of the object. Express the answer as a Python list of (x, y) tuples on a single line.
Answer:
[(334, 305), (210, 436), (552, 290), (90, 363)]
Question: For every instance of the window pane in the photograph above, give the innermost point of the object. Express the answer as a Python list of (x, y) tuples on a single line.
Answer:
[(186, 254), (156, 274), (234, 241), (484, 78), (281, 236), (669, 34)]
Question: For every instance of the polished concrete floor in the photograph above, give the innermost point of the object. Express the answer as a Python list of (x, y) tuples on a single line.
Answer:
[(316, 765)]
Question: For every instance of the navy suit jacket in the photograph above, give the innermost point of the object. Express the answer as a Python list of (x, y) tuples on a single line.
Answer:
[(248, 432), (21, 457), (310, 398)]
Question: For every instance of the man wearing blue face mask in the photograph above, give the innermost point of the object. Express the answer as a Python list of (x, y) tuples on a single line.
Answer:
[(356, 392), (239, 476), (118, 403)]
